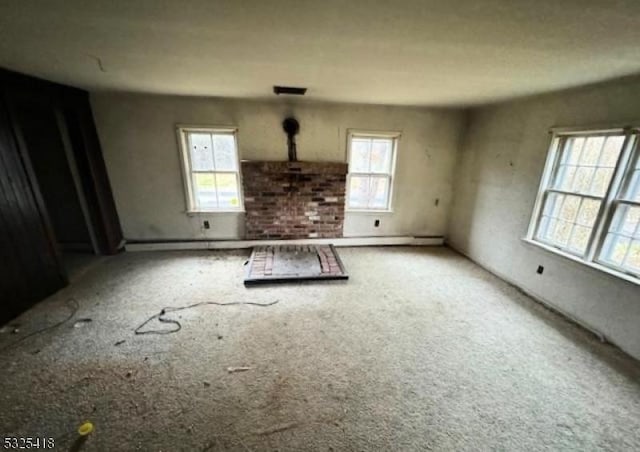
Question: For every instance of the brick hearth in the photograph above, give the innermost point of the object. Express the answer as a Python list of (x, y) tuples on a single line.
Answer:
[(293, 200)]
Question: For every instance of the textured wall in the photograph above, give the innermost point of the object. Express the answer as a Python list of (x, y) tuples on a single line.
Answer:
[(138, 138), (501, 162), (293, 200)]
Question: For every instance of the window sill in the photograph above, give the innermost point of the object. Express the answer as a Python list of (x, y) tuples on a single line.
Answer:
[(192, 213), (593, 265)]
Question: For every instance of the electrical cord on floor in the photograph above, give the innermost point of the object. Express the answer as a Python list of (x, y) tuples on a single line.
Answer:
[(178, 326), (72, 303)]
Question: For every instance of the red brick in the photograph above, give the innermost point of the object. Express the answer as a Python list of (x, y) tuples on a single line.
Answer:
[(294, 199)]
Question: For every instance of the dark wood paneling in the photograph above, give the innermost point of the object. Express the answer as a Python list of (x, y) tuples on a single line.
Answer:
[(30, 265), (42, 124), (42, 139), (74, 110), (93, 173)]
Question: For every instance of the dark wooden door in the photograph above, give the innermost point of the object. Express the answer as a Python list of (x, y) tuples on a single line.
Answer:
[(30, 268)]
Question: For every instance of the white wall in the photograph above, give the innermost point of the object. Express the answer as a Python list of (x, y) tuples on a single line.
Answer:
[(138, 138), (501, 162)]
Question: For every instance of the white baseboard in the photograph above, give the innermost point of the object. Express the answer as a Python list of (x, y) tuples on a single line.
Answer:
[(238, 244), (537, 298)]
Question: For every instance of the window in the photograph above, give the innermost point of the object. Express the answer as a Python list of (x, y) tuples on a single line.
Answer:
[(371, 166), (621, 248), (589, 201), (211, 174)]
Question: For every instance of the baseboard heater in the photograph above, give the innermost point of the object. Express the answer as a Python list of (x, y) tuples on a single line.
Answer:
[(167, 245)]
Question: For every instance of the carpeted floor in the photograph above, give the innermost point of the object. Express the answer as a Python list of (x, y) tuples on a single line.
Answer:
[(419, 350)]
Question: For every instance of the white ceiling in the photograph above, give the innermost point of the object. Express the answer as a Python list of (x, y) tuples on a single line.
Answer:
[(408, 52)]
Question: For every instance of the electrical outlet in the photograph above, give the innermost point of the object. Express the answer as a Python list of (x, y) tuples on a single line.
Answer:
[(437, 202), (540, 269), (376, 223), (206, 224)]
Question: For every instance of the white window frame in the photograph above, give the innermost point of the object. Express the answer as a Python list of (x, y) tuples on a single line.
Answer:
[(395, 137), (627, 159), (187, 173)]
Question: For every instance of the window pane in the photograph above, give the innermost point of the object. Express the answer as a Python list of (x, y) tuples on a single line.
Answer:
[(371, 157), (633, 192), (611, 151), (224, 152), (588, 212), (227, 184), (550, 213), (573, 150), (582, 181), (544, 225), (621, 248), (601, 181), (579, 239), (569, 209), (591, 152), (565, 177), (381, 150), (358, 192), (618, 218), (553, 204), (368, 192), (201, 151), (615, 249), (625, 221), (633, 258), (629, 225), (550, 231), (547, 233), (560, 234), (212, 173), (360, 155), (205, 190), (567, 221), (587, 164), (378, 192)]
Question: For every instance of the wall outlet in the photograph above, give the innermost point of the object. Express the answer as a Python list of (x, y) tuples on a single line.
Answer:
[(206, 224), (376, 223), (540, 269), (437, 202)]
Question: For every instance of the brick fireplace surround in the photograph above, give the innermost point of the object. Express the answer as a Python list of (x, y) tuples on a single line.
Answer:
[(293, 200)]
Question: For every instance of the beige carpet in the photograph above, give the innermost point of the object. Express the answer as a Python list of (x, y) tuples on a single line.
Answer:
[(419, 350)]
